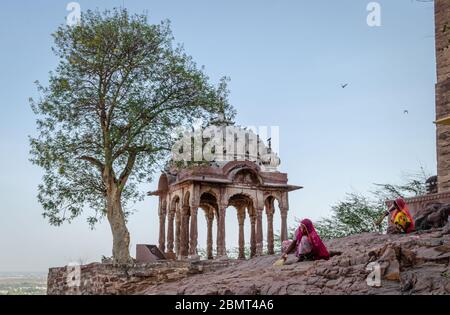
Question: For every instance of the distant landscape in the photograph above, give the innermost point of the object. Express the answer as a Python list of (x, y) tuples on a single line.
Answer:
[(23, 283)]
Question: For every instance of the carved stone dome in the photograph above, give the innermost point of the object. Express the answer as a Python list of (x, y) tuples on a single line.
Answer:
[(222, 144)]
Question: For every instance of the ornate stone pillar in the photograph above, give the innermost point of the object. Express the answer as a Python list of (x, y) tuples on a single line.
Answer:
[(177, 231), (194, 233), (259, 232), (162, 226), (187, 218), (284, 234), (171, 217), (270, 211), (182, 235), (241, 219), (253, 236), (221, 245), (209, 238), (218, 234)]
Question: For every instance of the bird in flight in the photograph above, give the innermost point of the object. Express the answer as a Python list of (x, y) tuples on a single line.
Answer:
[(344, 85)]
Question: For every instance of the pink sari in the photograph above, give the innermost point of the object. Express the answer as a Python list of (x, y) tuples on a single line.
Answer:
[(319, 250)]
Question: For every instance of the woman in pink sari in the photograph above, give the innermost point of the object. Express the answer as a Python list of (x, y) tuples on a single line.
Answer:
[(307, 244)]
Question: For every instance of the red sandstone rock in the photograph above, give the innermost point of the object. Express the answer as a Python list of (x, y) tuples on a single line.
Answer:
[(418, 263), (344, 274)]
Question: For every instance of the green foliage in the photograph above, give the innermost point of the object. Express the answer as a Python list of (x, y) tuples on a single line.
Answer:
[(202, 253), (233, 253), (357, 213), (108, 113), (413, 185)]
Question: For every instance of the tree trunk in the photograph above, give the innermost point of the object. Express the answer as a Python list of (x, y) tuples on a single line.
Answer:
[(121, 236)]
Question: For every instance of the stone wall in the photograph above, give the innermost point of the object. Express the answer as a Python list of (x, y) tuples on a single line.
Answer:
[(417, 263), (417, 205), (107, 279), (442, 22)]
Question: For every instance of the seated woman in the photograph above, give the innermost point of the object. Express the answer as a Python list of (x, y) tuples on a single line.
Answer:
[(401, 219), (307, 243)]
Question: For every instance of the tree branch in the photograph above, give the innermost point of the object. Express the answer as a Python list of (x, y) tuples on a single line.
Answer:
[(93, 161), (127, 170)]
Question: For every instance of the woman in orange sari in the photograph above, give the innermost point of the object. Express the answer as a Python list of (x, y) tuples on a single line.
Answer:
[(401, 219)]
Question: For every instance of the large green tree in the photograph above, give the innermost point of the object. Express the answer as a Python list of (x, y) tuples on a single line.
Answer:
[(105, 120)]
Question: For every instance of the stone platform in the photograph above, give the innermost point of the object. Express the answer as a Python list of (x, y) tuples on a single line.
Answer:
[(109, 279), (417, 263)]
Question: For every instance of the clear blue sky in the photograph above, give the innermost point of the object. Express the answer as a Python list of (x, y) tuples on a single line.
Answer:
[(286, 59)]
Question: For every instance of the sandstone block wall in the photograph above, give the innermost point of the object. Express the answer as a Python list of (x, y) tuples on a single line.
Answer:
[(417, 263), (442, 31), (107, 279)]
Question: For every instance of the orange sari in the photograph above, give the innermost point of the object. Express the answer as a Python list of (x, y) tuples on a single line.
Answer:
[(401, 216)]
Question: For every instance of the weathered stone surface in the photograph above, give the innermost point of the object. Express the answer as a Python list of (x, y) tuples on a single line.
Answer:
[(393, 271), (442, 35), (433, 216), (108, 279), (418, 263), (411, 264)]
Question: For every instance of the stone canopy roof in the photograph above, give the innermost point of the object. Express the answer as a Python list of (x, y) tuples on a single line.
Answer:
[(254, 157), (225, 175)]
